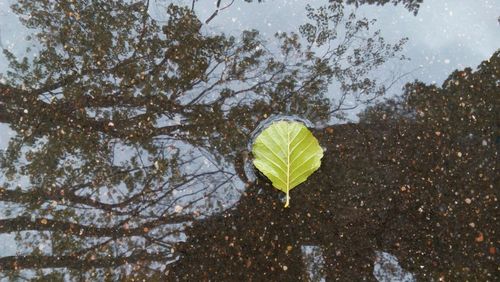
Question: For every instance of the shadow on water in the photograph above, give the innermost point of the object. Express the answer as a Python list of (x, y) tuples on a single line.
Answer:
[(130, 138)]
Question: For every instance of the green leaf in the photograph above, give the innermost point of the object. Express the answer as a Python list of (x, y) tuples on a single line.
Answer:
[(287, 153)]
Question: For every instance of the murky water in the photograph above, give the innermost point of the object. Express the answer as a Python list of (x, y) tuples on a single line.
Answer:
[(126, 132)]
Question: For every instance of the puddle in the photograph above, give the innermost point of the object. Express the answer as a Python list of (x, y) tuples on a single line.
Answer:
[(125, 140)]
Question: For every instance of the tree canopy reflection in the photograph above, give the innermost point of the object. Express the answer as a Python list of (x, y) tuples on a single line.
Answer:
[(415, 178), (128, 129)]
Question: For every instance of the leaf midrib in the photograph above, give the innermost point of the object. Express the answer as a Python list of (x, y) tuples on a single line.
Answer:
[(288, 157)]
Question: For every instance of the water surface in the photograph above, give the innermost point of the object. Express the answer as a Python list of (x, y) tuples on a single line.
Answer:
[(125, 129)]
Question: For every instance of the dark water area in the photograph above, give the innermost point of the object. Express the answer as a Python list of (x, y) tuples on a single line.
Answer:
[(125, 144)]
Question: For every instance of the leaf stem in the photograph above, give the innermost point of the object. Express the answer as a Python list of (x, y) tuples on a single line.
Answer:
[(287, 204)]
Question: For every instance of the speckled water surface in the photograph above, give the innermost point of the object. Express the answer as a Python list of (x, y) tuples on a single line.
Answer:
[(124, 132)]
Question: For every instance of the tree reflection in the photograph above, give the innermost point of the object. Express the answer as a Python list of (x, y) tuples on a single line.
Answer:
[(416, 178), (127, 130), (411, 5)]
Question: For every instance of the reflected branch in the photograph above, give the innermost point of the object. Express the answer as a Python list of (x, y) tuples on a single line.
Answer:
[(72, 262)]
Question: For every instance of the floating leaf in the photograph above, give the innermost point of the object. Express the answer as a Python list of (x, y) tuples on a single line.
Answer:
[(287, 153)]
